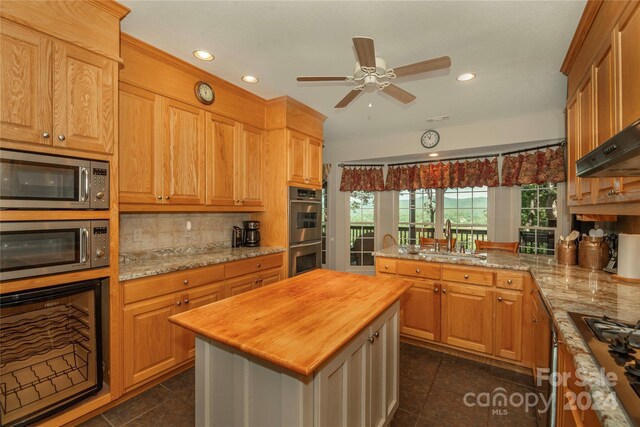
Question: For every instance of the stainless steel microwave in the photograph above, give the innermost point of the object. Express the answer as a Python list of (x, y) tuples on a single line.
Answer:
[(38, 181), (50, 247)]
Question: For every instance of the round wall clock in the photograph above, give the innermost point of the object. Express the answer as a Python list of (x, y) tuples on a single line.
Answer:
[(205, 93), (430, 139)]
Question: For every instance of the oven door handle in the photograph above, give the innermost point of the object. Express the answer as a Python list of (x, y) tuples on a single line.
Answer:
[(84, 184), (302, 245), (84, 245)]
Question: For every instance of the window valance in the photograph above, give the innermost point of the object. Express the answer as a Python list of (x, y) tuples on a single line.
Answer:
[(362, 179), (534, 168)]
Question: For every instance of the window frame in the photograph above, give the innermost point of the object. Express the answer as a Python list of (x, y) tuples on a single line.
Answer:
[(560, 206), (409, 223), (360, 268)]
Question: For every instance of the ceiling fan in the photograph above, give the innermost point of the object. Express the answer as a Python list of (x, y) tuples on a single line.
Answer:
[(371, 70)]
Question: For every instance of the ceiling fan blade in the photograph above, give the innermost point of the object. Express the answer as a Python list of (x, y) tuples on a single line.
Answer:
[(320, 79), (365, 51), (423, 67), (399, 94), (347, 99)]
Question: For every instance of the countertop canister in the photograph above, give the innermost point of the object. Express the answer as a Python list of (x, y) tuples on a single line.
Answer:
[(566, 252), (593, 253)]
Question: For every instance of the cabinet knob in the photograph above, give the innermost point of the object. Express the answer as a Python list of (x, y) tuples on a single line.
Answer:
[(444, 291), (386, 267), (436, 290), (61, 137), (499, 299), (466, 276), (371, 339), (259, 265), (179, 303), (185, 281), (186, 301), (535, 320), (45, 135), (418, 270), (509, 281), (167, 197), (159, 197), (376, 334)]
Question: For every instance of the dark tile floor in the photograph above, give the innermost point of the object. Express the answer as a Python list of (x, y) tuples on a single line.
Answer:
[(432, 393)]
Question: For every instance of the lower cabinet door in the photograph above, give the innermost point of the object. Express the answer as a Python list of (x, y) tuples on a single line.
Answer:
[(199, 297), (508, 325), (420, 311), (241, 285), (384, 368), (467, 316), (269, 277), (152, 344)]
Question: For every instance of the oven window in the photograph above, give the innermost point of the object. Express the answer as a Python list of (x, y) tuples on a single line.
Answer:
[(306, 220), (306, 263), (20, 180), (39, 248)]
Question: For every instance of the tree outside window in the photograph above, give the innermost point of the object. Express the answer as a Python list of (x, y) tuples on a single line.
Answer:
[(362, 227), (538, 218), (416, 215)]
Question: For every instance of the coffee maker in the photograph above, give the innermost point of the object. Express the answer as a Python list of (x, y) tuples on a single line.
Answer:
[(251, 233)]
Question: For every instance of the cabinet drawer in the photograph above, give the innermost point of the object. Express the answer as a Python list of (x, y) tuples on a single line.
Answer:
[(477, 276), (386, 265), (425, 270), (148, 287), (509, 280), (252, 265)]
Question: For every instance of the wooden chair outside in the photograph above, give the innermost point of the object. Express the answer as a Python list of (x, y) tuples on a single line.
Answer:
[(388, 240), (499, 246), (428, 241)]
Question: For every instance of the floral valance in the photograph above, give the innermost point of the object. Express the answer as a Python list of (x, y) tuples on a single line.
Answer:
[(362, 179), (534, 168), (459, 174)]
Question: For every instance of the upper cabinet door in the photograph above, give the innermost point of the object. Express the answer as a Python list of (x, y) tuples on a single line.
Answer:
[(140, 150), (221, 161), (296, 150), (573, 148), (313, 175), (183, 153), (25, 76), (251, 181), (84, 92), (629, 62), (585, 99)]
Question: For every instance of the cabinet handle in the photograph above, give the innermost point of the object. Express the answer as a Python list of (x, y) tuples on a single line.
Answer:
[(179, 303), (45, 135), (509, 281), (466, 276), (259, 265), (371, 339), (61, 137), (376, 334), (418, 270), (159, 197), (444, 291), (386, 267), (185, 281), (435, 290), (499, 299), (535, 320), (186, 301), (167, 197)]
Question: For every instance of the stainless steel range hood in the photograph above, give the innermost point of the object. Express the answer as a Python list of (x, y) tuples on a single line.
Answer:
[(619, 156)]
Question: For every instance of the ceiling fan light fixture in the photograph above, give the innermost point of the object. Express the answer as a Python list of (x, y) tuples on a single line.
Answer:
[(250, 79), (438, 118), (203, 55), (465, 77)]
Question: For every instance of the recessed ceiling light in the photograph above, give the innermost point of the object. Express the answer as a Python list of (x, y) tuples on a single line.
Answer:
[(466, 77), (433, 154), (438, 118), (249, 79), (203, 55)]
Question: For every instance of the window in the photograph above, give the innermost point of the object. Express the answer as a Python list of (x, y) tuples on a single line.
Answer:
[(362, 227), (324, 223), (467, 210), (538, 218), (416, 215)]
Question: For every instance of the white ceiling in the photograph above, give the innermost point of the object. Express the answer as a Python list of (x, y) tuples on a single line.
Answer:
[(515, 47)]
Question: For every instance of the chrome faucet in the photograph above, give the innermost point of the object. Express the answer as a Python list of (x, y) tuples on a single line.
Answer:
[(447, 235)]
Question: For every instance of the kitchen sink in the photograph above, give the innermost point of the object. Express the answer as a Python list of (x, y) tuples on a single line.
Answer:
[(429, 253)]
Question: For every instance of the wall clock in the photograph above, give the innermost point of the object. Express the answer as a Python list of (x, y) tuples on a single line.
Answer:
[(205, 93), (430, 139)]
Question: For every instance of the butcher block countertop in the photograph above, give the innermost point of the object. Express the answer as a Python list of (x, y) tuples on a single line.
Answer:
[(298, 323)]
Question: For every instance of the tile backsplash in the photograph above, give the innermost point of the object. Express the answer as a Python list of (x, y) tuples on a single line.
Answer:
[(139, 232)]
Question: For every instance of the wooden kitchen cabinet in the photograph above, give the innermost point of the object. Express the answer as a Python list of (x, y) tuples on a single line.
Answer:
[(195, 298), (573, 132), (221, 162), (304, 159), (586, 144), (508, 325), (139, 153), (467, 316), (249, 179), (420, 310), (55, 93), (183, 145)]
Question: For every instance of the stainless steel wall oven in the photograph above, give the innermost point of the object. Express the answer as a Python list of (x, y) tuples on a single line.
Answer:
[(38, 181), (51, 350), (305, 230)]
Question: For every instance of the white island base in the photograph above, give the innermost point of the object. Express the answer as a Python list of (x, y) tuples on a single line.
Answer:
[(358, 386)]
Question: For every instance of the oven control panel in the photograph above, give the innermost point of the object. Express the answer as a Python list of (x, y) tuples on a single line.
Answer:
[(99, 185), (99, 243)]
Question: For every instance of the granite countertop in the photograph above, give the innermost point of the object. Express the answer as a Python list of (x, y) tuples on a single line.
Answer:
[(134, 265), (564, 289), (297, 323)]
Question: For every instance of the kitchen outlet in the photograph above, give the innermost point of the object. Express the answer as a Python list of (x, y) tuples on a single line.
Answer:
[(137, 235), (188, 225)]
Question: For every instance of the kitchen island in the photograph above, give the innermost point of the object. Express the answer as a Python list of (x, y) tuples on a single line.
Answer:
[(317, 349)]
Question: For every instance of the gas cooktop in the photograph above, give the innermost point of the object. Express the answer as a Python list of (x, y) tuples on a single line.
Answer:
[(616, 347)]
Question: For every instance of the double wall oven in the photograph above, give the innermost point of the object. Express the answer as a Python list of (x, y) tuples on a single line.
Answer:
[(305, 230), (50, 336)]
